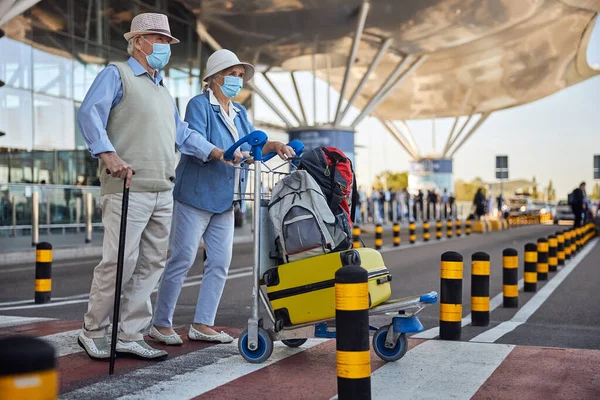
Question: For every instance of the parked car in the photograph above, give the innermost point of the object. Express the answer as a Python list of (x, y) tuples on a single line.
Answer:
[(538, 207), (516, 206), (563, 212)]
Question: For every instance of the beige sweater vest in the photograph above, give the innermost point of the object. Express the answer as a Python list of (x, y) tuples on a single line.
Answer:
[(142, 130)]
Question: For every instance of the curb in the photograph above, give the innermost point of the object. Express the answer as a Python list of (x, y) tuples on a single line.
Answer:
[(59, 254)]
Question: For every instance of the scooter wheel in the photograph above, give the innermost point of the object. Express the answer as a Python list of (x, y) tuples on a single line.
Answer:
[(294, 342), (261, 353), (383, 352)]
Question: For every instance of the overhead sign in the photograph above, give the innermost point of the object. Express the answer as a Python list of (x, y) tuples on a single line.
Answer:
[(597, 166), (501, 167), (430, 165)]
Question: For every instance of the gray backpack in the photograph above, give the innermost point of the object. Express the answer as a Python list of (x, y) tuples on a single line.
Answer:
[(303, 223)]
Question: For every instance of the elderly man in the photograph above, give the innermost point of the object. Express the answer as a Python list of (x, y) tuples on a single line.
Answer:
[(130, 122)]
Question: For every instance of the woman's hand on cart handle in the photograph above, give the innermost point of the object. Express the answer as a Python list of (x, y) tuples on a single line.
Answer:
[(289, 152), (219, 155), (116, 167)]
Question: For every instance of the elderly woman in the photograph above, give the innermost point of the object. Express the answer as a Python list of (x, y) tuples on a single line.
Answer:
[(204, 196)]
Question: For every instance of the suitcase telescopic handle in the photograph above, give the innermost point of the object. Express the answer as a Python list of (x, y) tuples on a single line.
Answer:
[(296, 145), (256, 140)]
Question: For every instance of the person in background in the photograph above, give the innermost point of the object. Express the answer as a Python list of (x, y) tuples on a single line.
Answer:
[(479, 203), (451, 204), (500, 201), (577, 202), (362, 203), (400, 201), (445, 203)]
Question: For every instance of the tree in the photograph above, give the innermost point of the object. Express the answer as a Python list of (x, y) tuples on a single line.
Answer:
[(551, 193), (534, 191), (392, 180), (596, 192)]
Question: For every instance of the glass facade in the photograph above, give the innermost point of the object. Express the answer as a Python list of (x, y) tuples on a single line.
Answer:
[(49, 58)]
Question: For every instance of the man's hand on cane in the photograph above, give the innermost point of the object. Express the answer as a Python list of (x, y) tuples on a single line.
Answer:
[(116, 167)]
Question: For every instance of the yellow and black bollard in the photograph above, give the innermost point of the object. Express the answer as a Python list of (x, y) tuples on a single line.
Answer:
[(451, 296), (468, 227), (573, 237), (27, 369), (568, 247), (552, 253), (43, 273), (449, 226), (356, 236), (378, 236), (458, 228), (480, 289), (412, 232), (352, 329), (561, 248), (510, 278), (542, 259), (438, 230), (530, 268), (396, 229), (426, 231)]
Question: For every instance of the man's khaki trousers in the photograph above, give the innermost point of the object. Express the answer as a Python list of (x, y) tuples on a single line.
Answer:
[(147, 238)]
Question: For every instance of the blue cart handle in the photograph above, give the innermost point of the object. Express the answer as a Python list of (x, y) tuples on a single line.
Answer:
[(256, 140), (296, 145)]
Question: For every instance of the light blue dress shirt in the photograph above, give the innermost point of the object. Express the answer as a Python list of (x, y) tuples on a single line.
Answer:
[(106, 92)]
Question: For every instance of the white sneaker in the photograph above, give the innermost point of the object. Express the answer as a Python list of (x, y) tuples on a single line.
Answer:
[(140, 349), (222, 337), (169, 340), (96, 348)]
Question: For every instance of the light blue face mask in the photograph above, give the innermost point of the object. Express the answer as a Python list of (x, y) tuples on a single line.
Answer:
[(161, 53), (231, 86)]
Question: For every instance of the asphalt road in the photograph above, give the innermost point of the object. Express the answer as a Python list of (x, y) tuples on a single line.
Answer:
[(569, 318)]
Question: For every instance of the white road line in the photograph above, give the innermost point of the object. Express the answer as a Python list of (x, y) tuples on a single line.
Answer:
[(209, 377), (495, 302), (8, 321), (83, 298), (456, 369), (56, 265), (64, 343), (535, 302)]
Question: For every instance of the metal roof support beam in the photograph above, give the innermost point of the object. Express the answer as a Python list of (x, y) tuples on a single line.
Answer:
[(398, 136), (479, 122), (460, 131), (282, 98), (299, 99), (328, 88), (451, 135), (362, 17), (410, 138), (385, 45), (208, 39), (390, 84)]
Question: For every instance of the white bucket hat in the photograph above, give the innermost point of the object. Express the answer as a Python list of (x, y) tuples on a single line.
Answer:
[(150, 24), (222, 59)]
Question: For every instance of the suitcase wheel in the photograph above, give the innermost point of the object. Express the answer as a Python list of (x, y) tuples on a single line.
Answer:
[(294, 342), (262, 352)]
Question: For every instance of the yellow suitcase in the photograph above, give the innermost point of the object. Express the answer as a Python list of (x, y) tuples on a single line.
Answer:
[(304, 291)]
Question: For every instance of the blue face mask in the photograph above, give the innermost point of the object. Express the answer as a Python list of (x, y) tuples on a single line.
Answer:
[(231, 86), (161, 53)]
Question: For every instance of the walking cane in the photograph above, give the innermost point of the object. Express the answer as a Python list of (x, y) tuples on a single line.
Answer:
[(119, 281)]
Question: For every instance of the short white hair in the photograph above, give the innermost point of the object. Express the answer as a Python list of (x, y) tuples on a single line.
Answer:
[(130, 46)]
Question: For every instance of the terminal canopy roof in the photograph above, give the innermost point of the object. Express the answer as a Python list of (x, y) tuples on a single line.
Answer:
[(482, 55)]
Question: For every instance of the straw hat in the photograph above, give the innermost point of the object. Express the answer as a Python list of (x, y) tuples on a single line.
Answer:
[(150, 24)]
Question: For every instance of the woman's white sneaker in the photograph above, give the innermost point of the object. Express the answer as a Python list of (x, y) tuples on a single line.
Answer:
[(222, 337), (169, 340), (140, 349)]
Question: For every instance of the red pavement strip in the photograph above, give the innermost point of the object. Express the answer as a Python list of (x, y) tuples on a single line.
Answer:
[(43, 328), (544, 373), (310, 374)]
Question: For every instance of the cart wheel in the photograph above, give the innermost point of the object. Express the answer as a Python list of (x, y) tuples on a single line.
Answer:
[(294, 342), (383, 352), (262, 352)]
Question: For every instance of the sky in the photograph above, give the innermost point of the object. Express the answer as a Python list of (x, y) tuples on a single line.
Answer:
[(554, 138)]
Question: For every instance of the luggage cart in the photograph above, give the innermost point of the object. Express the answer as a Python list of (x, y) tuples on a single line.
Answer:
[(256, 342)]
